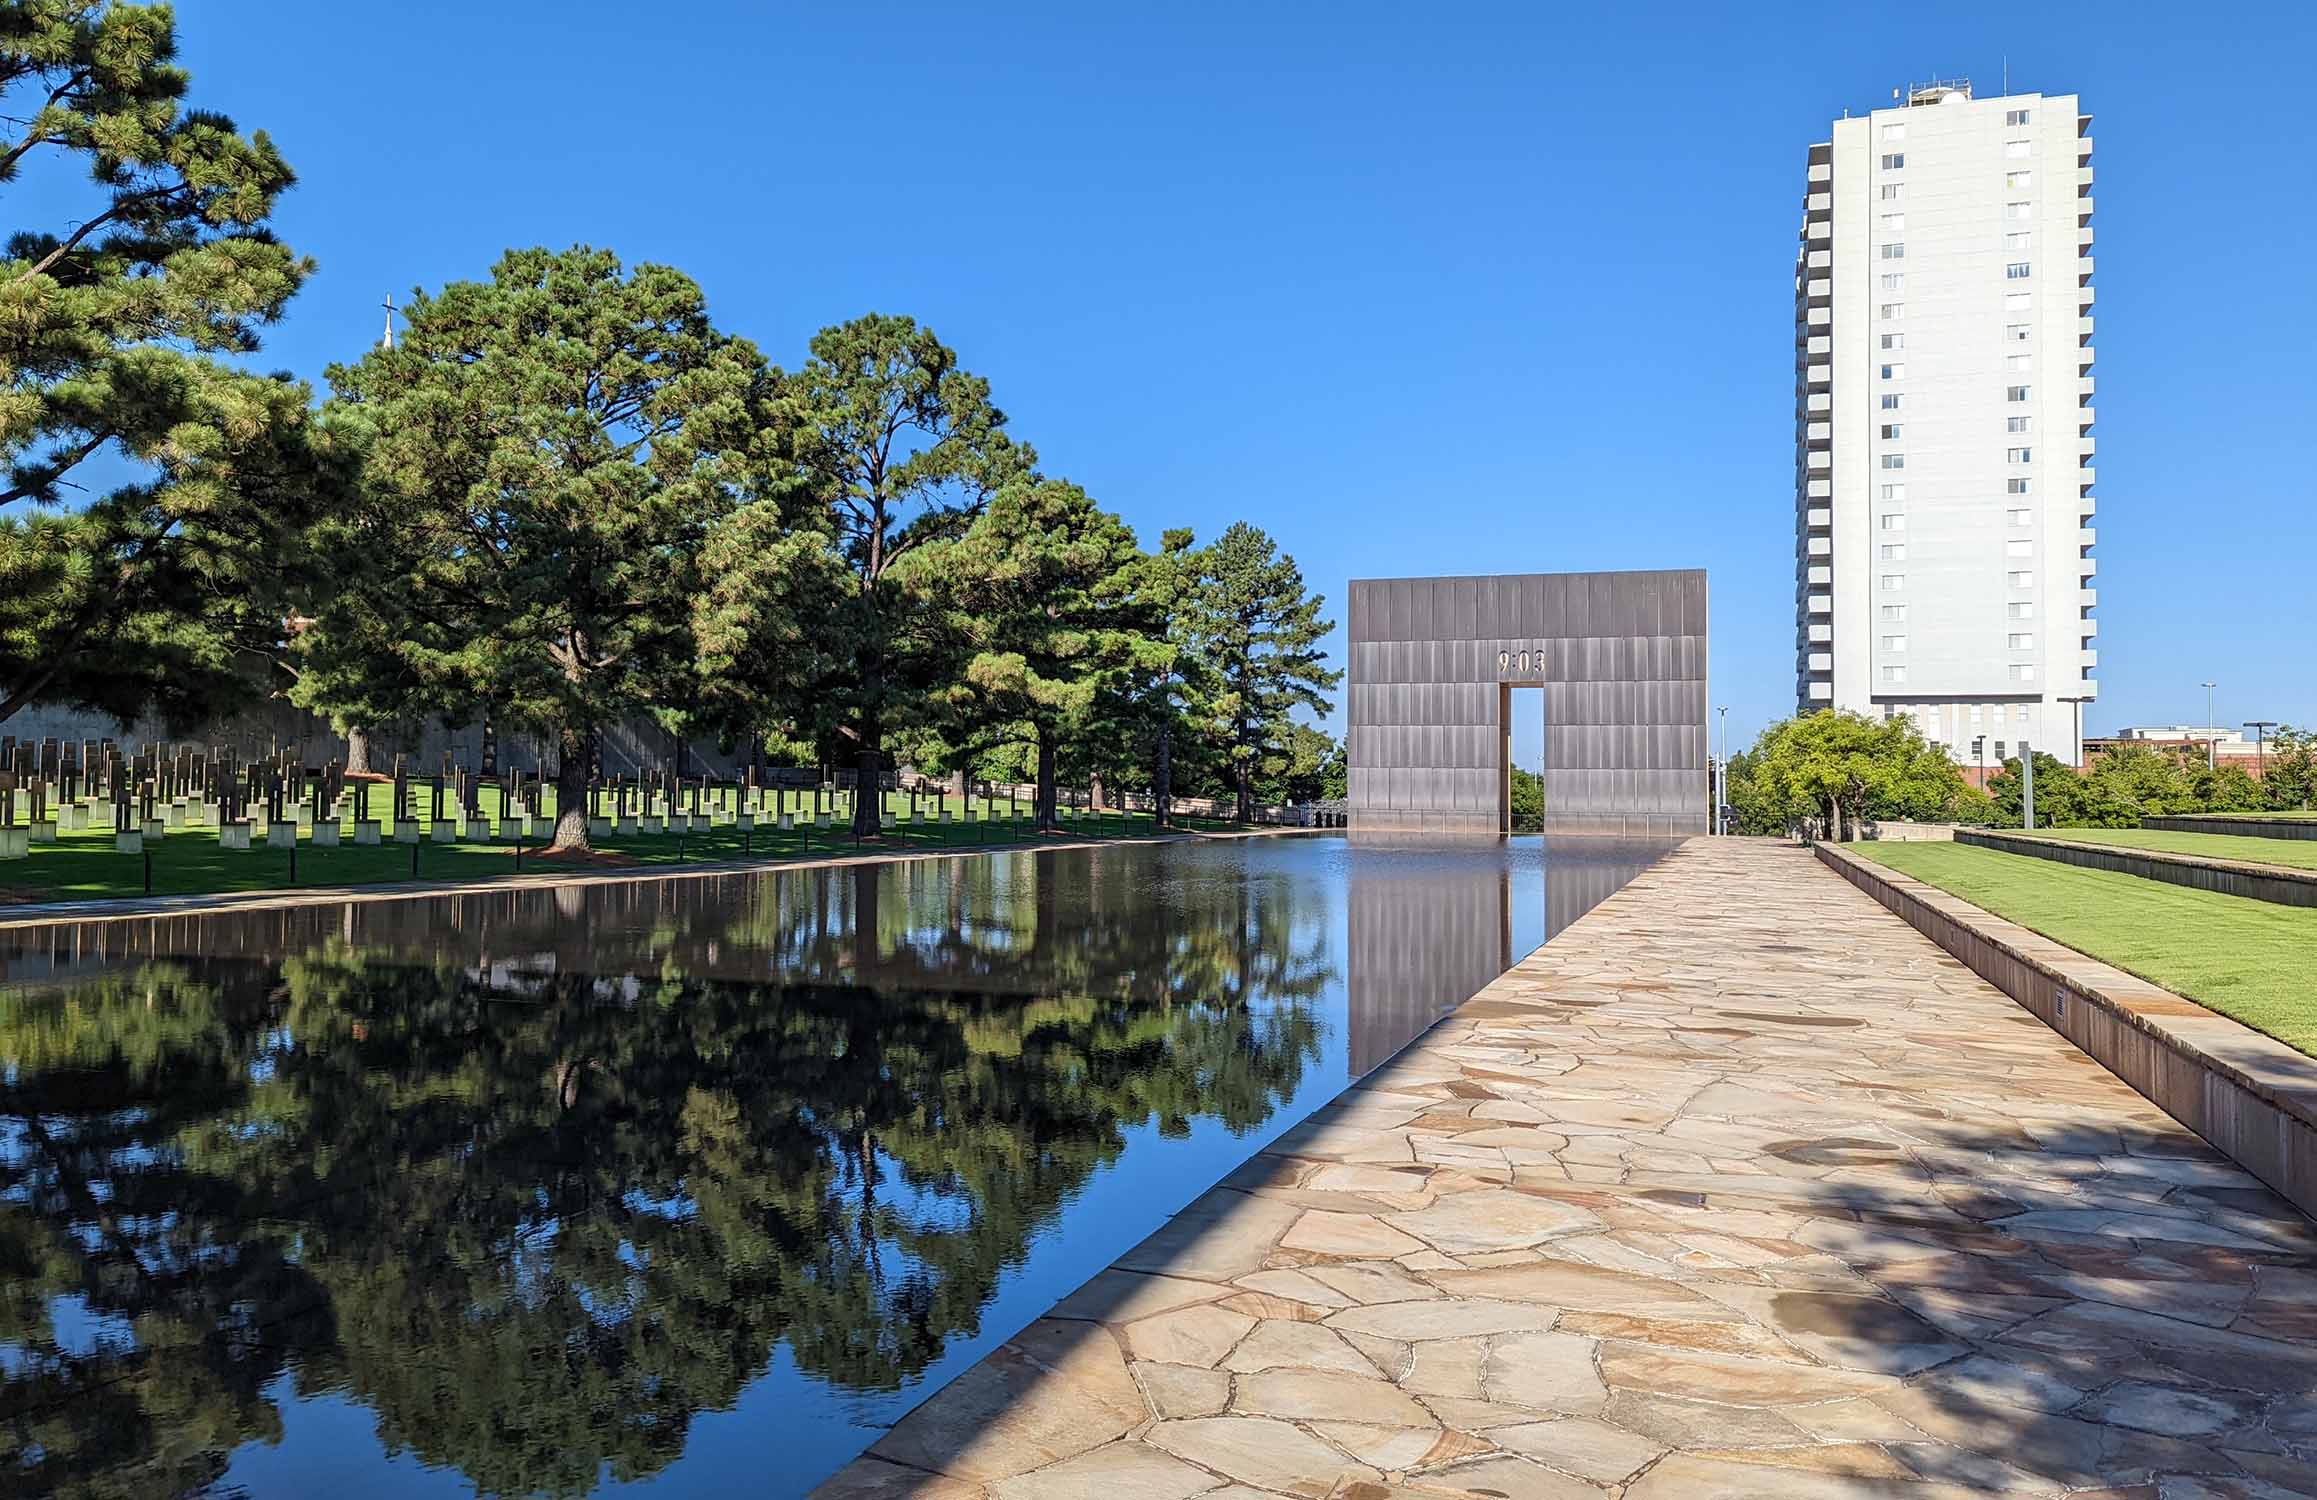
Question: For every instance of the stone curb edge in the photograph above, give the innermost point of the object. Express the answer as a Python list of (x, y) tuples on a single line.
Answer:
[(2262, 828), (138, 908), (2257, 1105), (2279, 884)]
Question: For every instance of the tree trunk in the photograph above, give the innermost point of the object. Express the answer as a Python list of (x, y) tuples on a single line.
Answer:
[(1094, 802), (1162, 776), (868, 795), (867, 927), (1834, 818), (575, 749), (868, 799), (1243, 779), (1047, 818), (357, 749)]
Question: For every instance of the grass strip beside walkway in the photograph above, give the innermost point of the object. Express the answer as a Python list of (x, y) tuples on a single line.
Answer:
[(84, 866), (2298, 854), (2253, 961)]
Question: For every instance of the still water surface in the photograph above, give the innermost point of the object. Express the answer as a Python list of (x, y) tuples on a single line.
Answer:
[(681, 1187)]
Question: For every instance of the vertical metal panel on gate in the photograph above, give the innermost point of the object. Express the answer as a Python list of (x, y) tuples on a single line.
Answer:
[(1622, 660)]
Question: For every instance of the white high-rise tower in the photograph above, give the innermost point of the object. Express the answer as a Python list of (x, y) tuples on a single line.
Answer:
[(1943, 420)]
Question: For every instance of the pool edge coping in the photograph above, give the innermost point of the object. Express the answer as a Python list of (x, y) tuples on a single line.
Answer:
[(202, 903)]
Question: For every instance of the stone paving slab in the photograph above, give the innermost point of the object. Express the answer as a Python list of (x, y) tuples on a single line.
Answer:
[(2249, 1094), (1739, 1187)]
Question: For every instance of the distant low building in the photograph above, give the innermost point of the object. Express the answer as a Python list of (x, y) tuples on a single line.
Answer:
[(2199, 739), (2177, 733)]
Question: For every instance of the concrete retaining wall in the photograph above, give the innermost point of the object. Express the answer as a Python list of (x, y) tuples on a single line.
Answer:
[(2227, 877), (2259, 828), (2251, 1096), (1895, 832)]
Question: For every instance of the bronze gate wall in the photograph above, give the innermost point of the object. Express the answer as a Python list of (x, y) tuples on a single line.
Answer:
[(1622, 660)]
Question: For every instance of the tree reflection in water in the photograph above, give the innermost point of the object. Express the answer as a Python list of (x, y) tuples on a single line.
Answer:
[(536, 1185), (533, 1179)]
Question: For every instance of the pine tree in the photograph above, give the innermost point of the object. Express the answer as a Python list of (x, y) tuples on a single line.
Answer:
[(344, 654), (904, 449), (1037, 599), (554, 446), (764, 658), (1258, 630), (1180, 691), (159, 590)]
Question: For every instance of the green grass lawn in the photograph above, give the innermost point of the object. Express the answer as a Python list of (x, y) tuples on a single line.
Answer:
[(84, 866), (2299, 854), (2250, 960), (2302, 815)]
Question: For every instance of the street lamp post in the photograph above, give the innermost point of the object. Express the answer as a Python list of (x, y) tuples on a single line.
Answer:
[(2212, 731), (1979, 753), (1722, 771), (2027, 783), (2260, 729)]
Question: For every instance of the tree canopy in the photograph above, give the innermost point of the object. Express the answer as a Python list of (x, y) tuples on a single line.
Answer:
[(1835, 771), (2121, 784), (1170, 708), (904, 448), (562, 500), (1038, 598), (1840, 769), (1258, 629), (554, 447), (156, 491)]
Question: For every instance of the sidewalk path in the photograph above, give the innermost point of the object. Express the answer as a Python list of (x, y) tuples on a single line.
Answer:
[(1739, 1187)]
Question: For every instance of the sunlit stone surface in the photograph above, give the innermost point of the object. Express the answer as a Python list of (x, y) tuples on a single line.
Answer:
[(1737, 1188)]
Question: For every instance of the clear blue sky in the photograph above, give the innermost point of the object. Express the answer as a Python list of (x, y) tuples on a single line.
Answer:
[(1416, 288)]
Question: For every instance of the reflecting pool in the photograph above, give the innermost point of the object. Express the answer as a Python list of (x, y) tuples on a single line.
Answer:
[(684, 1185)]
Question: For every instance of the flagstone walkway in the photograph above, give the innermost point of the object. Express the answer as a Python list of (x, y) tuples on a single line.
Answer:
[(1739, 1187)]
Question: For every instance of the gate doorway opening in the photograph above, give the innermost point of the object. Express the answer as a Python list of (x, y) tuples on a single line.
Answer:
[(1523, 801)]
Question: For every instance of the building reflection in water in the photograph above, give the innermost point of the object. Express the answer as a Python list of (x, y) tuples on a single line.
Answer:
[(1430, 924)]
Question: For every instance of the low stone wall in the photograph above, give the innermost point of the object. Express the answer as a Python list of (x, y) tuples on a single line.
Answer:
[(1895, 832), (2259, 828), (2227, 877), (2251, 1096)]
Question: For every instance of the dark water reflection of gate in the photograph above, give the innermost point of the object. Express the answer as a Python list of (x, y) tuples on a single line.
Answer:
[(681, 1184), (1426, 933)]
